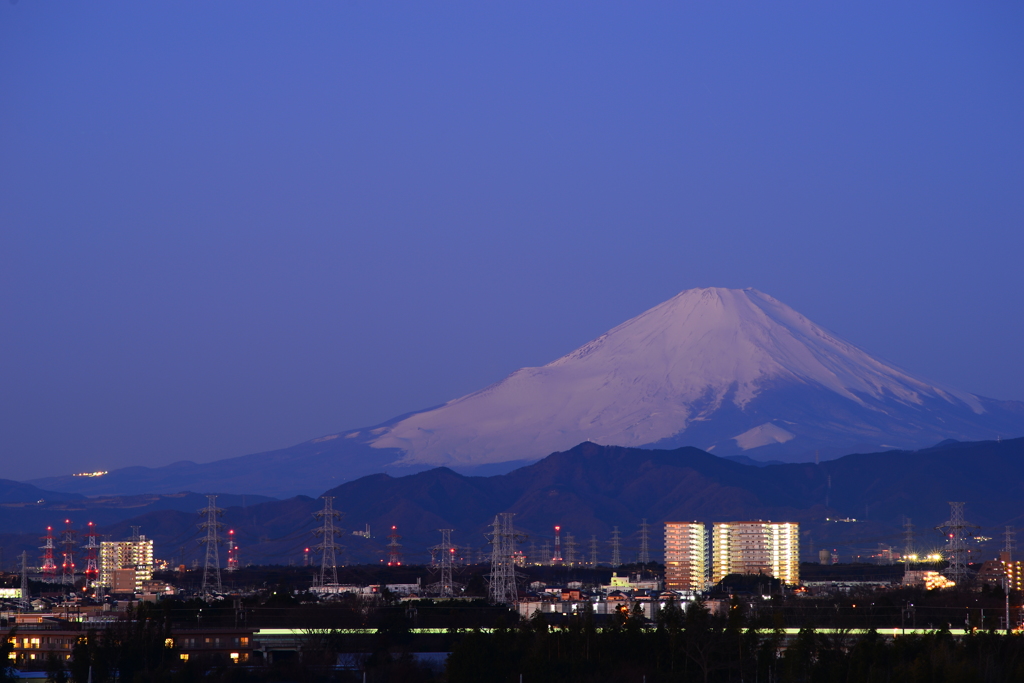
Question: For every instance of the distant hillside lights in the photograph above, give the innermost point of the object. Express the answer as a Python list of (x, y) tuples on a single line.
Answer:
[(770, 548), (90, 474)]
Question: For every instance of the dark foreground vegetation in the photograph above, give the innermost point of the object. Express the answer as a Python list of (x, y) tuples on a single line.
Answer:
[(695, 645)]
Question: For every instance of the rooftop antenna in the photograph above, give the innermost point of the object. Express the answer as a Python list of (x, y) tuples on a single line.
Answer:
[(645, 554), (328, 561), (616, 547), (211, 567)]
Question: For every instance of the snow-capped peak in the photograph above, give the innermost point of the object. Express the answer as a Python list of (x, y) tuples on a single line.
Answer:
[(655, 376)]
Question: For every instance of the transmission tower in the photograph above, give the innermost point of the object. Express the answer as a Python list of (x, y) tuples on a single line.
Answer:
[(232, 552), (211, 569), (593, 551), (67, 567), (545, 554), (49, 568), (328, 561), (957, 544), (531, 553), (502, 587), (616, 547), (394, 548), (26, 602), (446, 560), (1010, 545), (645, 553), (557, 557), (92, 548), (570, 550)]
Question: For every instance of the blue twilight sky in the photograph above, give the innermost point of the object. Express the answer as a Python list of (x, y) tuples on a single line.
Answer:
[(228, 227)]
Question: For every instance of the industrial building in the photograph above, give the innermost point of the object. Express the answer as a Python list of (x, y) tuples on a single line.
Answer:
[(686, 556), (125, 565), (757, 547)]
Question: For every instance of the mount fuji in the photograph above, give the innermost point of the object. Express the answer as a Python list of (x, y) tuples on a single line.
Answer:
[(733, 372)]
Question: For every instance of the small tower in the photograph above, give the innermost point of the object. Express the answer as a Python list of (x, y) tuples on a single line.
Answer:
[(616, 547), (556, 559)]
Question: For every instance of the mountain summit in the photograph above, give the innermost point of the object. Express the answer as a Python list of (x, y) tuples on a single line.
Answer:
[(732, 372), (728, 371)]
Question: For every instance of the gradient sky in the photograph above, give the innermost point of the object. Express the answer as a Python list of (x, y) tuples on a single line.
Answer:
[(227, 227)]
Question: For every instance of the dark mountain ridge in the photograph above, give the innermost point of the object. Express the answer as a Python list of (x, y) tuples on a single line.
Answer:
[(591, 488)]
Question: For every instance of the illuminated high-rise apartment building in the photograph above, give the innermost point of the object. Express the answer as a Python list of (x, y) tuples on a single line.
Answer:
[(770, 548), (124, 565), (686, 556)]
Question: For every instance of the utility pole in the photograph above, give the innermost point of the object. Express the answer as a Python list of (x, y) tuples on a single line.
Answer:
[(616, 547), (327, 547), (211, 568)]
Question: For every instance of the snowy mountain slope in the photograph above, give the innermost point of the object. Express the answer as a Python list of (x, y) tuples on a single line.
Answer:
[(731, 371)]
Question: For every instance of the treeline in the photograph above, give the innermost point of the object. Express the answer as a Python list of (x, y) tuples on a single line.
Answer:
[(700, 646), (681, 646)]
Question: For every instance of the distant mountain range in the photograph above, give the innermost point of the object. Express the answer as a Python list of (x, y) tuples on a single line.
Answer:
[(589, 489), (733, 372)]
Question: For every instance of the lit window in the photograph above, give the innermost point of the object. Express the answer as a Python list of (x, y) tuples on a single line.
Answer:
[(234, 657), (168, 642), (184, 656)]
